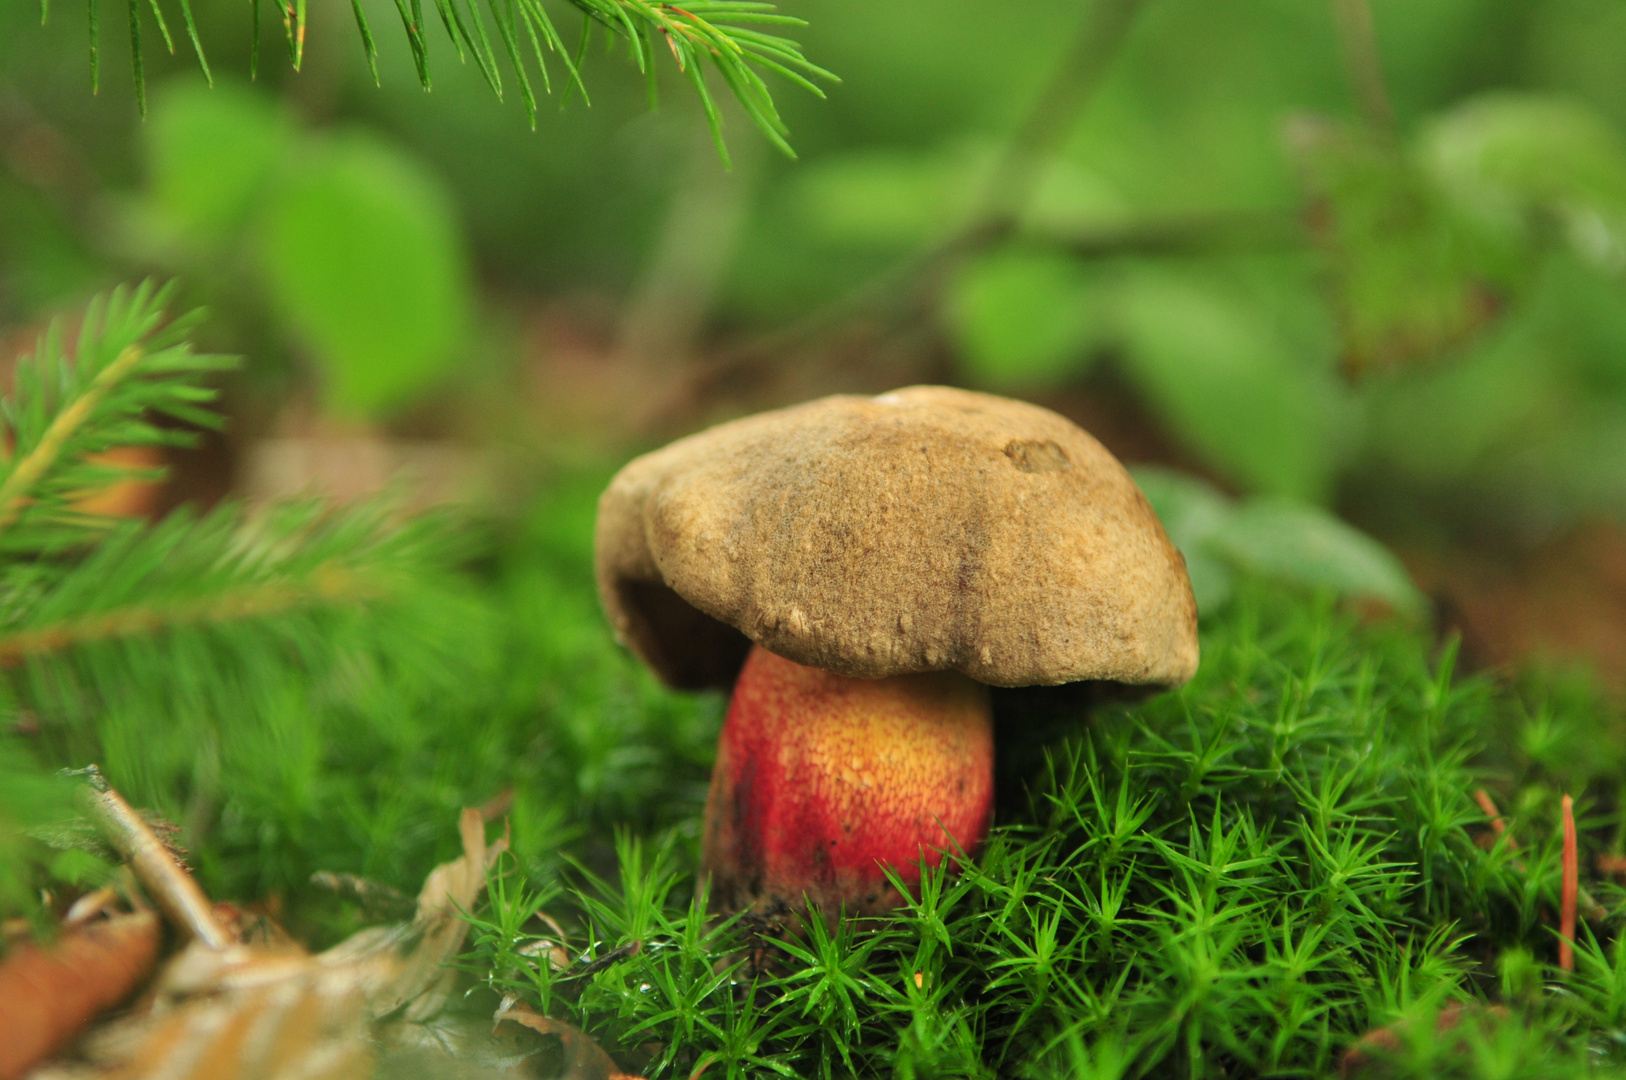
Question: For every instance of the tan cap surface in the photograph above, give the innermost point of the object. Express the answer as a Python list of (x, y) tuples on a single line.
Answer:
[(921, 530)]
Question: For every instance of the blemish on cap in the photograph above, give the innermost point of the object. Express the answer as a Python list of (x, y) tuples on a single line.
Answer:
[(1037, 455)]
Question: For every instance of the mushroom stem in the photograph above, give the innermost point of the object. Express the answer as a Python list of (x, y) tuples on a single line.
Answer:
[(822, 780)]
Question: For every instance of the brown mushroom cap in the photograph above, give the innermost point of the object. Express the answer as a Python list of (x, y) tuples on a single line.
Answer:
[(921, 530)]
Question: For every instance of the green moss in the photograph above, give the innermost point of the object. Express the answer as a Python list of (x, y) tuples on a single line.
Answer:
[(1236, 879)]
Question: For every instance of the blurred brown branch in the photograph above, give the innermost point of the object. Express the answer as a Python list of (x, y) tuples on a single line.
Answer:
[(1357, 39), (898, 308), (171, 887), (895, 312)]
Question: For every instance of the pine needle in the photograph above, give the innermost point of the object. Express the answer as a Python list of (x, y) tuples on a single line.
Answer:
[(692, 32), (197, 44), (137, 69), (1571, 885)]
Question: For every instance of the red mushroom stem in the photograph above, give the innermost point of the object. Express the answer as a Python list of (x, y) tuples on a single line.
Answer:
[(823, 780)]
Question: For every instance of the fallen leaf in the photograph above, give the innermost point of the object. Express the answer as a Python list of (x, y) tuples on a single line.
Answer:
[(424, 982), (133, 496), (279, 1013), (463, 1046), (222, 1014), (49, 992), (584, 1059), (1371, 1050)]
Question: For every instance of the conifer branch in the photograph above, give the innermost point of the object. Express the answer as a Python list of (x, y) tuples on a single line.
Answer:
[(31, 468), (129, 362), (721, 31), (327, 586), (204, 573), (113, 629)]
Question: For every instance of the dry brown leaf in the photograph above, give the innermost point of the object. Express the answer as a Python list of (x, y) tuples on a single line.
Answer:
[(584, 1059), (279, 1013), (1372, 1050), (48, 993), (103, 901), (464, 1046), (222, 1014), (425, 980)]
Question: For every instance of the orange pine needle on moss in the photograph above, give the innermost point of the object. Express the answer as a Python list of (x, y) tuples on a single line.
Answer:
[(1498, 826), (1572, 885)]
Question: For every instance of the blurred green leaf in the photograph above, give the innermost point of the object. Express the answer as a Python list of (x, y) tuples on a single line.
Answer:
[(1440, 423), (1505, 156), (1308, 546), (1578, 471), (1226, 379), (884, 198), (1191, 511), (1027, 319), (362, 251), (1408, 281), (211, 153), (1272, 538), (81, 869), (1583, 313)]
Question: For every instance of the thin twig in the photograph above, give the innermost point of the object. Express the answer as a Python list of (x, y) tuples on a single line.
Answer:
[(14, 491), (594, 966), (1358, 41), (1498, 826), (171, 887), (1021, 165), (906, 293), (1590, 906), (373, 895)]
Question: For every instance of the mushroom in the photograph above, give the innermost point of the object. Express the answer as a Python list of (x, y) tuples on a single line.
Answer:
[(861, 570)]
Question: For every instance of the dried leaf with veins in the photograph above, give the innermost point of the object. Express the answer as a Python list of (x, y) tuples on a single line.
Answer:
[(281, 1013), (584, 1058)]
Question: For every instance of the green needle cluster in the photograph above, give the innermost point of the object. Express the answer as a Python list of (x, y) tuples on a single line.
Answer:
[(734, 36)]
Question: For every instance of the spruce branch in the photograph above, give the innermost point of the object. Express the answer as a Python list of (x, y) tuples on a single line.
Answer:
[(727, 33), (128, 364), (32, 467), (223, 568), (330, 585), (69, 581)]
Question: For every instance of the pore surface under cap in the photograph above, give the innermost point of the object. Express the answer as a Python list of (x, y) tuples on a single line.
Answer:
[(926, 529)]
